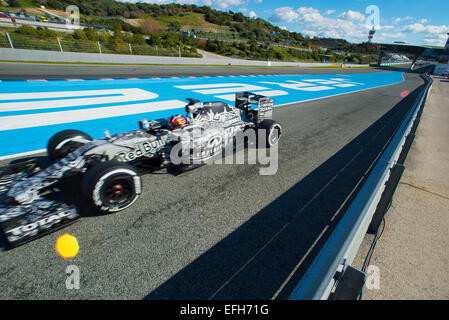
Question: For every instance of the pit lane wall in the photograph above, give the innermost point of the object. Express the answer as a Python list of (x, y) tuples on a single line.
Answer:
[(327, 271), (8, 54)]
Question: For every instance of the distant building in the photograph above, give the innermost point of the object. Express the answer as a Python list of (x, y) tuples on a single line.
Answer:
[(371, 35), (189, 34)]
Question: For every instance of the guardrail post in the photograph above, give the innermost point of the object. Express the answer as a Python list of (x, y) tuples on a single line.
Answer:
[(59, 42), (99, 47), (9, 39), (130, 49), (179, 51)]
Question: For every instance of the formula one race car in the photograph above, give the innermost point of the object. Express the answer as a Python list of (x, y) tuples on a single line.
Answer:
[(110, 180)]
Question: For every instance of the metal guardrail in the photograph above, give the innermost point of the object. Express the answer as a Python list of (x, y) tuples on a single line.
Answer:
[(342, 245)]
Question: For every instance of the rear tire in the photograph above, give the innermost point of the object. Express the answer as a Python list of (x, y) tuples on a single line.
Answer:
[(112, 186), (271, 133), (62, 143)]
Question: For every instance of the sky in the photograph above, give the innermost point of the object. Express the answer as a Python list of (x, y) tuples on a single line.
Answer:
[(415, 22)]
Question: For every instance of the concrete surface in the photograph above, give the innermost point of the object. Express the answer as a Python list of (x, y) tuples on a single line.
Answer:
[(413, 255), (8, 54), (221, 231)]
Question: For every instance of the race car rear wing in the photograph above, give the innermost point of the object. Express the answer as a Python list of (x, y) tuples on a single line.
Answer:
[(264, 105)]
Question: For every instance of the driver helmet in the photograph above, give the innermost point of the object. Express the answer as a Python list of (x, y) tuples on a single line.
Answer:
[(178, 121)]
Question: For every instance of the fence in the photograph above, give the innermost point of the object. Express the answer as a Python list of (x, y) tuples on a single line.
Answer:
[(20, 41)]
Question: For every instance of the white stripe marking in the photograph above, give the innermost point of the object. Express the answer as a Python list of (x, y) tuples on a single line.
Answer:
[(344, 85), (23, 154), (295, 85), (317, 88), (271, 93), (52, 118), (126, 96), (222, 88)]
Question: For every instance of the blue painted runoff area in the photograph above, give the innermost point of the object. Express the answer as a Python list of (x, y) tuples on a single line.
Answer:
[(32, 111)]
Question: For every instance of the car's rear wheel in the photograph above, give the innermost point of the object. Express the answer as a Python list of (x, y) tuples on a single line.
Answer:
[(112, 186), (65, 142), (270, 131)]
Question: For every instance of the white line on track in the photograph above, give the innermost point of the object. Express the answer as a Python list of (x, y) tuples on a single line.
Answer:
[(52, 118), (126, 95), (23, 154)]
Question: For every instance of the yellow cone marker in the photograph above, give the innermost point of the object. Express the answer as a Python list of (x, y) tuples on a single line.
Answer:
[(67, 246)]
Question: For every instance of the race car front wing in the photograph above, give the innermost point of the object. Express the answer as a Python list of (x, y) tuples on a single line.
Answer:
[(21, 223)]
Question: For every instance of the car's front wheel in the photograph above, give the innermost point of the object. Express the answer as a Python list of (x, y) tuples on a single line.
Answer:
[(65, 142), (112, 186)]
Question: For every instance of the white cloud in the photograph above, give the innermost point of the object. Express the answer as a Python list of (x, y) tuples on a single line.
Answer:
[(433, 35), (386, 27), (222, 4), (397, 20), (307, 10), (348, 25), (328, 12), (435, 40), (428, 29), (352, 16), (258, 1), (284, 14), (383, 36), (423, 21), (414, 28)]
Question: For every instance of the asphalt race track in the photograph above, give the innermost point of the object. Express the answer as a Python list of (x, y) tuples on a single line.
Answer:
[(222, 231), (82, 71)]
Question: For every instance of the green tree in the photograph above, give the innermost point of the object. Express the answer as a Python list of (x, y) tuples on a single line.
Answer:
[(47, 33), (118, 36), (103, 36), (14, 3), (239, 17), (174, 27), (28, 30), (79, 35), (91, 34), (155, 39)]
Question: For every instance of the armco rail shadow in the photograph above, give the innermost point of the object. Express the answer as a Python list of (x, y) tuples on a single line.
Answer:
[(259, 259)]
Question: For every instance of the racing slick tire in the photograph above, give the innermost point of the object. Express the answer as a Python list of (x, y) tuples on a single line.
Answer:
[(112, 186), (271, 133), (62, 143)]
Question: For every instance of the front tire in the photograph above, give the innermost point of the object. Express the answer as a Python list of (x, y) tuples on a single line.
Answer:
[(65, 142), (112, 186)]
